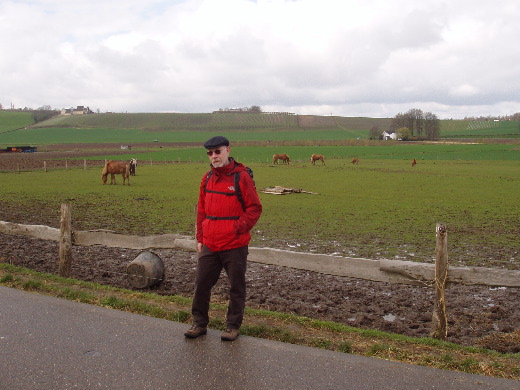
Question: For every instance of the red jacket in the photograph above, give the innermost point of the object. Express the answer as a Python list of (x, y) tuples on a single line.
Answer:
[(222, 234)]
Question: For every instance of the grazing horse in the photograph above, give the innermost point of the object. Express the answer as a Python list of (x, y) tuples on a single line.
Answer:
[(414, 162), (355, 160), (316, 157), (285, 158), (132, 164), (113, 168)]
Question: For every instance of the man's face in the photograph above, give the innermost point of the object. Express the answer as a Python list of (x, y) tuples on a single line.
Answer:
[(219, 156)]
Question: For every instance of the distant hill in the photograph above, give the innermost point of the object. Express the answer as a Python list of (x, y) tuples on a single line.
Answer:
[(232, 122), (213, 121), (12, 120)]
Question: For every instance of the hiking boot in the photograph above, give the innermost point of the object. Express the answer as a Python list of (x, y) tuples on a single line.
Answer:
[(229, 334), (195, 331)]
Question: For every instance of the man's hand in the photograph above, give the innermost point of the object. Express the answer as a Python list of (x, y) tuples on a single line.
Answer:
[(199, 247)]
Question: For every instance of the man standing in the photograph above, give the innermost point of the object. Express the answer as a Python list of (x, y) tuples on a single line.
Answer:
[(228, 208)]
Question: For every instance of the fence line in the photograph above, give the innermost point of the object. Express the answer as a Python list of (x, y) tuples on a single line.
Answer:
[(384, 270)]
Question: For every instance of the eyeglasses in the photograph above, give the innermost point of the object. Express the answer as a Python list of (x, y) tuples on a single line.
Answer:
[(217, 152)]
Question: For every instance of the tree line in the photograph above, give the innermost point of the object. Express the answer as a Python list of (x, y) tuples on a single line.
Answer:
[(412, 125)]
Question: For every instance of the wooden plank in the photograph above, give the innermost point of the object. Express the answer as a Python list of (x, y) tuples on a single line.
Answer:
[(495, 277), (421, 273), (37, 231), (460, 275), (115, 240), (326, 264)]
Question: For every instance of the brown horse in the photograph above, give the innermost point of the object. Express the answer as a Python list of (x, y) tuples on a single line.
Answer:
[(414, 162), (355, 160), (113, 168), (316, 157), (285, 158)]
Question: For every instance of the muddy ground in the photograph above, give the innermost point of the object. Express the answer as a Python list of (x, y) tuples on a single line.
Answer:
[(477, 315)]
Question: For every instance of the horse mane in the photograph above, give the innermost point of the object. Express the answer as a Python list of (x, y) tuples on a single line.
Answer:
[(105, 169)]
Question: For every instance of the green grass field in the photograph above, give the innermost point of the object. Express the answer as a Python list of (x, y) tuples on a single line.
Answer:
[(301, 154), (48, 136), (11, 120), (379, 208), (480, 129)]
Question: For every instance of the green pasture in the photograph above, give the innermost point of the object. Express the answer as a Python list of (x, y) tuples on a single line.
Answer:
[(11, 120), (48, 136), (301, 154), (480, 129), (381, 208)]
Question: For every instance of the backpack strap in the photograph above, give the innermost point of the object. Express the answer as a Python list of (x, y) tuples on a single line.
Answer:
[(239, 191), (216, 192)]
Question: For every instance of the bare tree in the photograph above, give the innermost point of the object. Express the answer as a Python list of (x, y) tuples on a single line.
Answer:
[(432, 126), (375, 133), (415, 121), (398, 121)]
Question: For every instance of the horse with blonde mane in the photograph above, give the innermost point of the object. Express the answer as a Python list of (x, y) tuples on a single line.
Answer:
[(355, 160), (285, 158), (318, 157), (113, 168)]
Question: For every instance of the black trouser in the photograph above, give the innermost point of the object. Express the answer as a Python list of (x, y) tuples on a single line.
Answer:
[(209, 266)]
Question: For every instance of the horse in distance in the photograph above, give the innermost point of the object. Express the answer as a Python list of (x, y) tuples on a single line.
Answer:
[(133, 165), (284, 157), (114, 168), (317, 157)]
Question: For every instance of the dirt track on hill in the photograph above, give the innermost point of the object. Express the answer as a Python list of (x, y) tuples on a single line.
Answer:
[(477, 315)]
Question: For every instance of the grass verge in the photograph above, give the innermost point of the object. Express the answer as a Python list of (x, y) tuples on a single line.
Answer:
[(275, 326)]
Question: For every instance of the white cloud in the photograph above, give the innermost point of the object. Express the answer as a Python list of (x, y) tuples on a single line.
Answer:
[(346, 57), (465, 90)]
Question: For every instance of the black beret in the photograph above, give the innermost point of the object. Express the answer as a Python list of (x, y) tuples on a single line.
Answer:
[(216, 142)]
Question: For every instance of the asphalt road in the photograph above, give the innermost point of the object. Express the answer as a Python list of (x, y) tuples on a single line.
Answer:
[(51, 343)]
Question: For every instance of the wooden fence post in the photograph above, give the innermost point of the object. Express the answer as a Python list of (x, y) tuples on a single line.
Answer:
[(439, 329), (84, 164), (65, 242), (45, 166)]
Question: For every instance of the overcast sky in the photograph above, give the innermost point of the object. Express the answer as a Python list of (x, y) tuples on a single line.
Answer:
[(376, 58)]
